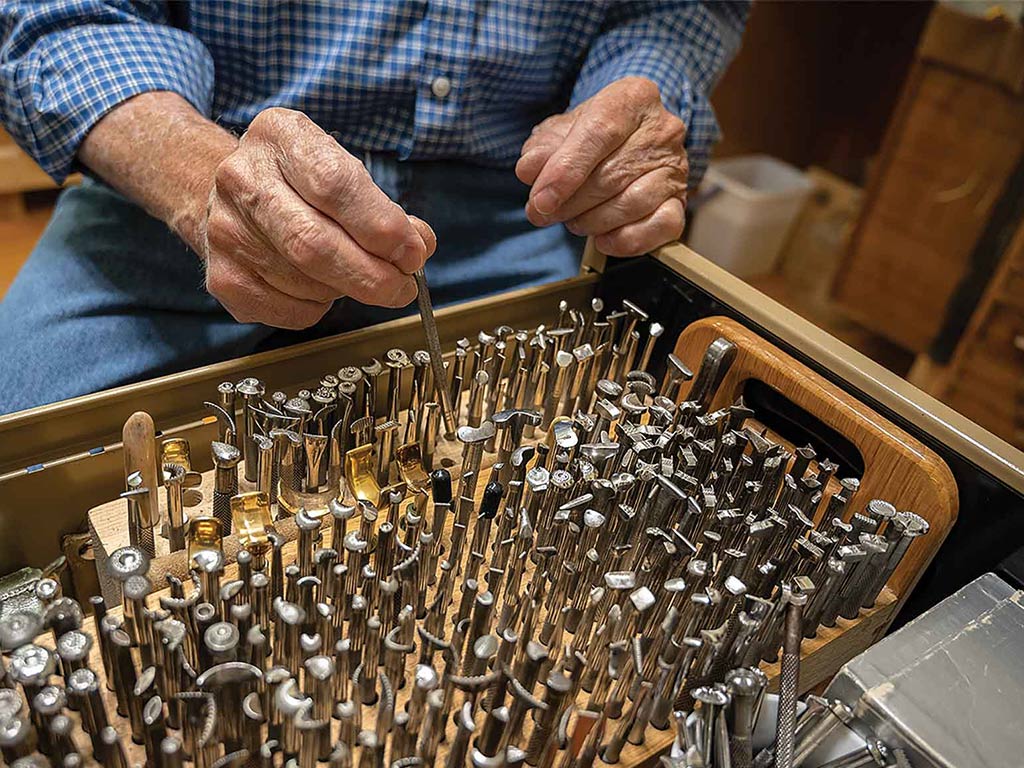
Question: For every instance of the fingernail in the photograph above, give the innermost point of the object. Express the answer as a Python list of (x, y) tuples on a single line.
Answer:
[(546, 201), (405, 258), (525, 157)]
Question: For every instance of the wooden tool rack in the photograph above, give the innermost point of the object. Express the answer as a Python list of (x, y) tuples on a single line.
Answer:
[(897, 467)]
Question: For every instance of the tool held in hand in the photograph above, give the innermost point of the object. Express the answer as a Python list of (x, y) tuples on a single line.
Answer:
[(434, 350)]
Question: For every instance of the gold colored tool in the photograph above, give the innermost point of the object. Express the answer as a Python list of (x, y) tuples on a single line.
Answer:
[(203, 534), (175, 450), (410, 467), (251, 515), (361, 474), (415, 477)]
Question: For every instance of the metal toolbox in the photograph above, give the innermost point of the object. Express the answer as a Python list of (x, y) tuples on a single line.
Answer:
[(59, 461), (940, 688)]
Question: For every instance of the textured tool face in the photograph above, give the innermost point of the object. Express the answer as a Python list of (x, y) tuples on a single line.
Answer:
[(221, 637), (30, 664), (74, 645), (11, 703), (174, 474), (229, 673), (127, 561), (15, 730), (49, 701), (19, 628), (65, 614), (208, 560), (225, 455), (250, 387)]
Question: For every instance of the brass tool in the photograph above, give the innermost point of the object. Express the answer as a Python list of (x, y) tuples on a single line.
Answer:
[(175, 450), (204, 532), (251, 515), (413, 474), (436, 358), (361, 474)]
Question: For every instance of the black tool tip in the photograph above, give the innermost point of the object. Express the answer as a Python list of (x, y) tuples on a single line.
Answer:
[(492, 498), (441, 486)]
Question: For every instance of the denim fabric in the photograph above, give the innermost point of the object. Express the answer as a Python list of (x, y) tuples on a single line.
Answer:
[(110, 295)]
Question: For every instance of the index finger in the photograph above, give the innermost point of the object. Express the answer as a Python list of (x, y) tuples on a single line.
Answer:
[(594, 135)]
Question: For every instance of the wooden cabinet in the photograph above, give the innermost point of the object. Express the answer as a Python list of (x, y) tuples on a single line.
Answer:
[(953, 143), (985, 378)]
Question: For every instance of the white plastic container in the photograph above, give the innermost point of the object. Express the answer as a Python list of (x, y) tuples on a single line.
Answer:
[(749, 205)]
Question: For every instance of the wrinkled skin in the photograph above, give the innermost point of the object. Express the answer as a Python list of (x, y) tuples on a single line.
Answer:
[(613, 168), (294, 222)]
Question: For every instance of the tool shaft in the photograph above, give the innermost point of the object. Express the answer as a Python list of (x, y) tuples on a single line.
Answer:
[(789, 686), (434, 350)]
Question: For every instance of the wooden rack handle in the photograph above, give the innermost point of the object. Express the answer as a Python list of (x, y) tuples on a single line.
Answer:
[(897, 467)]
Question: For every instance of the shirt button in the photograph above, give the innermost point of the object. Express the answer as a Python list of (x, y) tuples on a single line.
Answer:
[(441, 86)]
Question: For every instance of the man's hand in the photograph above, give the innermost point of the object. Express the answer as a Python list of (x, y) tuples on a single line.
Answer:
[(295, 222), (614, 167), (287, 220)]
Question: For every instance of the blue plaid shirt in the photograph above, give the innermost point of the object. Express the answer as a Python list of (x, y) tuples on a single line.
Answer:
[(456, 79)]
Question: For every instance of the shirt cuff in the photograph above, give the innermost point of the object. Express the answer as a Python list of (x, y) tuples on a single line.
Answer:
[(71, 79)]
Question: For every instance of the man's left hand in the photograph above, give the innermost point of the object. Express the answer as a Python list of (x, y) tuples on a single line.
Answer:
[(614, 168)]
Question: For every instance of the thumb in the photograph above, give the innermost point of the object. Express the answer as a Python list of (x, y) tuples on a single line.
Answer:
[(426, 234)]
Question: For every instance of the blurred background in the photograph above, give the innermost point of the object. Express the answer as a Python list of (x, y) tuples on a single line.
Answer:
[(870, 178)]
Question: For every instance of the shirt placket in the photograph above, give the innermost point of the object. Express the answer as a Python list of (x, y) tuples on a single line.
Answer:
[(442, 80)]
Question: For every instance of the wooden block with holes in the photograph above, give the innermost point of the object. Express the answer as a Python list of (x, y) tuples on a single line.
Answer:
[(895, 467)]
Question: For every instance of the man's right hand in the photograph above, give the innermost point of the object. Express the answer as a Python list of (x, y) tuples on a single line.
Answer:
[(294, 222)]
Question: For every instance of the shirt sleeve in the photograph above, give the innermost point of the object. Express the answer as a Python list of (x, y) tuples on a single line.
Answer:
[(65, 63), (681, 46)]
